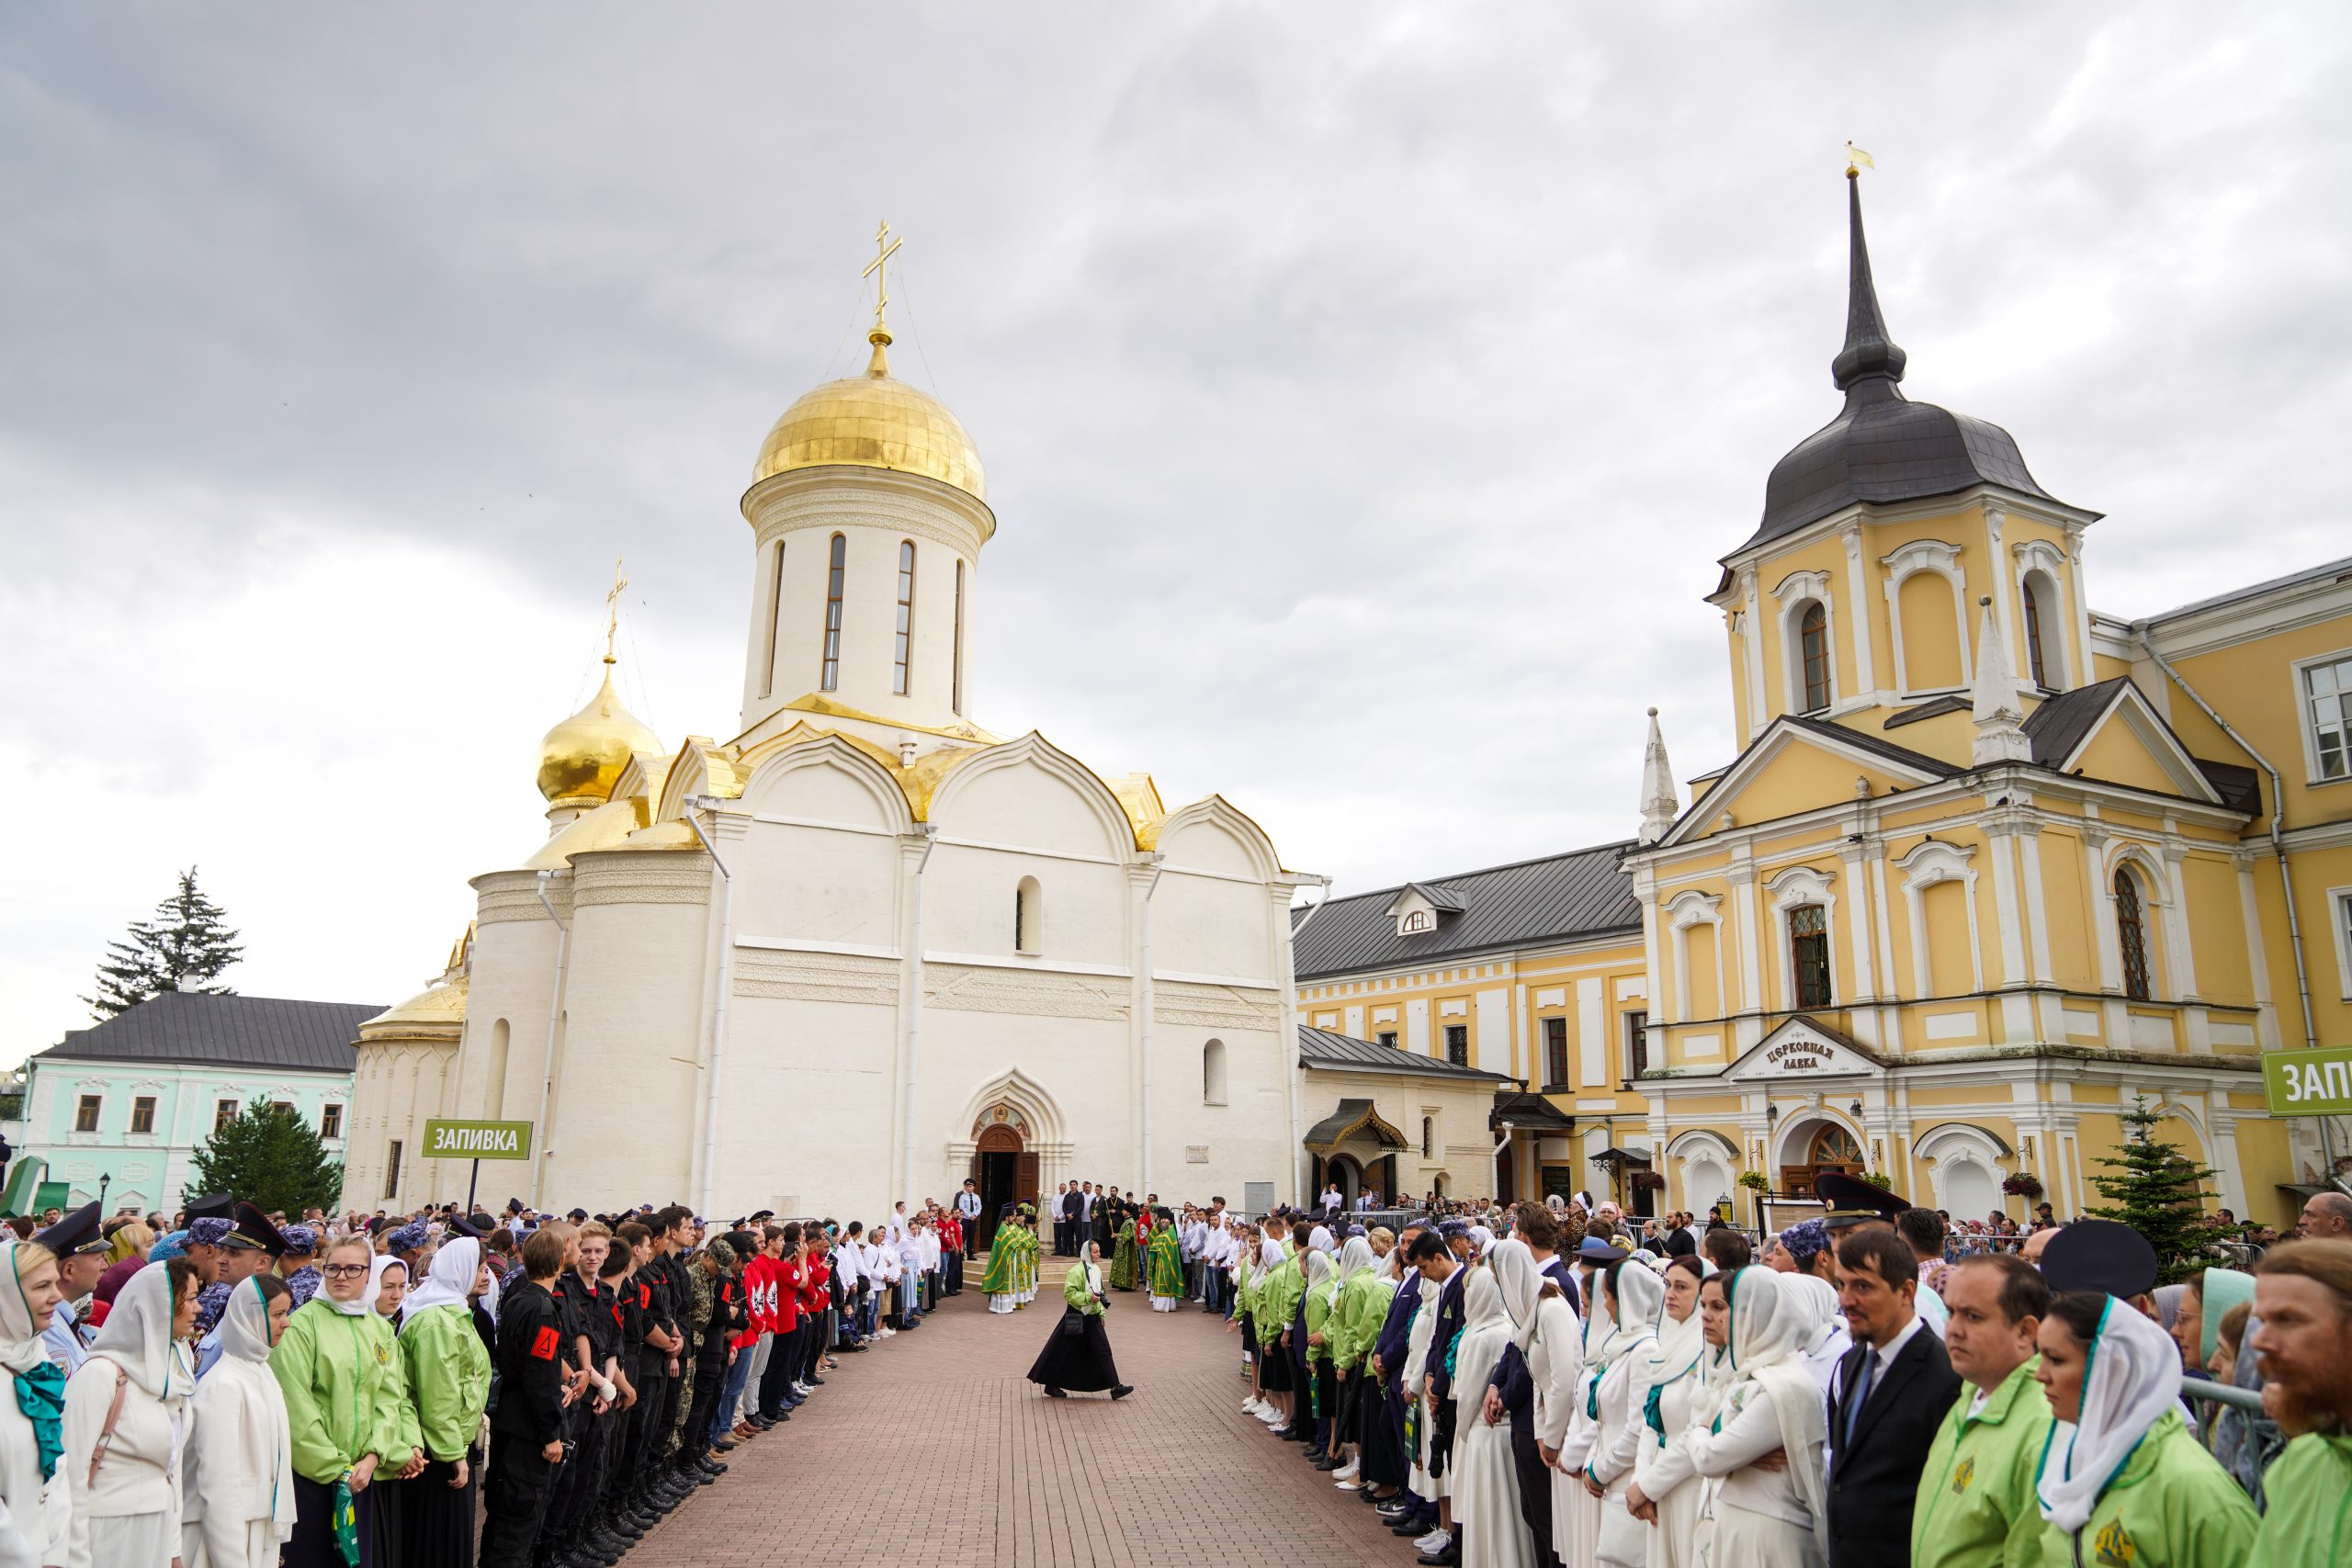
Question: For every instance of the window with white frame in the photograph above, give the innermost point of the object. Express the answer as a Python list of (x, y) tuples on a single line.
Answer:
[(2339, 907), (2327, 717)]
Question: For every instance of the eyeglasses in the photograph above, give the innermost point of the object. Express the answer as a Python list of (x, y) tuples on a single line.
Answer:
[(344, 1270)]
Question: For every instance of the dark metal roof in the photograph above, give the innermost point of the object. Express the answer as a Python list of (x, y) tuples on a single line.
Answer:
[(1881, 446), (1932, 708), (2338, 570), (1322, 1048), (245, 1031), (1527, 1112), (2062, 722), (1581, 893), (1436, 897), (1352, 1114)]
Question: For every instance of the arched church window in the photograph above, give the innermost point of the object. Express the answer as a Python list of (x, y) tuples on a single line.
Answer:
[(1028, 915), (2033, 661), (1429, 1135), (906, 616), (1809, 950), (2131, 929), (955, 689), (1812, 647), (776, 612), (1213, 1073), (835, 569)]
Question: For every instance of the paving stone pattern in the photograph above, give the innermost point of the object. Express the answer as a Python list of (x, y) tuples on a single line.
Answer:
[(935, 1450)]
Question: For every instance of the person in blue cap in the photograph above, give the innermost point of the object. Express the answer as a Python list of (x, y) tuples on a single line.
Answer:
[(81, 1252), (299, 1263)]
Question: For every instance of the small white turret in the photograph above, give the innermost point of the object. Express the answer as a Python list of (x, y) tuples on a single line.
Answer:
[(1660, 804), (1999, 718)]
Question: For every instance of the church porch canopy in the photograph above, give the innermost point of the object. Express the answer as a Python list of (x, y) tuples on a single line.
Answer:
[(1354, 1116), (1528, 1114)]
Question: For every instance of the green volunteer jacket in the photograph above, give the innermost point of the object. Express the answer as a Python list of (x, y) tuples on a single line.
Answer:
[(345, 1394), (1075, 1292), (447, 1368), (2169, 1506), (1278, 1300), (1356, 1321), (1977, 1506), (2310, 1489)]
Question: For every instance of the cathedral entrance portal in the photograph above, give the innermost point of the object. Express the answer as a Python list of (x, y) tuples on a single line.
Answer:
[(1006, 1171)]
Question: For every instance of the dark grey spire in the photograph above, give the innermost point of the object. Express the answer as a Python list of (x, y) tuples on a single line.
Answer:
[(1869, 353)]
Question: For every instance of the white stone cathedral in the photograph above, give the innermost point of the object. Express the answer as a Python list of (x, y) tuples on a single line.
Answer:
[(865, 949)]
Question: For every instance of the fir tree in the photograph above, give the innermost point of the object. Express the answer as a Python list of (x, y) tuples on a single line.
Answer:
[(184, 948), (2157, 1192), (270, 1158)]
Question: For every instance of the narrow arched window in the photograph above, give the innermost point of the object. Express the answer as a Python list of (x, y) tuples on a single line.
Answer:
[(835, 568), (2132, 931), (1813, 648), (1213, 1073), (1809, 954), (1028, 915), (2034, 663), (904, 649), (776, 612), (1429, 1137), (956, 688)]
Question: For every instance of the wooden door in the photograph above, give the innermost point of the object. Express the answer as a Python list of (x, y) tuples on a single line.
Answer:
[(1025, 1180)]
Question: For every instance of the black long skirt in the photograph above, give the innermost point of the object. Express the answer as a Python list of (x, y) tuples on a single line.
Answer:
[(1079, 1361), (1273, 1366), (1382, 1436), (312, 1542), (437, 1519)]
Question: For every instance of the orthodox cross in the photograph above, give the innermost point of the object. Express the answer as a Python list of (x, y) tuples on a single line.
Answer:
[(613, 608), (885, 247)]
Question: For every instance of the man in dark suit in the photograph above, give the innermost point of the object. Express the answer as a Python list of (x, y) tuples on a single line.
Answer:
[(1073, 1204), (1890, 1395)]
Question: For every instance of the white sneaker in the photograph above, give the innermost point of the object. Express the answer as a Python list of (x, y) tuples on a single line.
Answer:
[(1257, 1407), (1433, 1542), (1349, 1472), (1348, 1485), (1271, 1416)]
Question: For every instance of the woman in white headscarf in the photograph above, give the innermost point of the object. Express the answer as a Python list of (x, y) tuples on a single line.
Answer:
[(1677, 1368), (1541, 1321), (240, 1483), (1831, 1338), (447, 1368), (1359, 1306), (389, 1278), (1634, 1296), (2121, 1467), (1311, 1354), (1764, 1517), (32, 1494), (133, 1393), (1488, 1521)]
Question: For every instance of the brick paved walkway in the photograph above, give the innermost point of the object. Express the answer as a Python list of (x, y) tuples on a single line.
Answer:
[(934, 1449)]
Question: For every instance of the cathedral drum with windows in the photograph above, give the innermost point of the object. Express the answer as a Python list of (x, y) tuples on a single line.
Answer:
[(865, 948), (1988, 867)]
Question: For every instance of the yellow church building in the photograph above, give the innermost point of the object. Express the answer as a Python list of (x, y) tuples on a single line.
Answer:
[(1989, 866)]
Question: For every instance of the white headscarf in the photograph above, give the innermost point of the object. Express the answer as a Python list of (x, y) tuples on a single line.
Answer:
[(447, 1282), (1482, 1302), (1520, 1284), (1270, 1254), (244, 1324), (1679, 1345), (1318, 1269), (1636, 1302), (1319, 1240), (21, 1348), (1483, 1239), (1354, 1258), (1820, 1297), (366, 1304), (1769, 1326), (2132, 1378), (137, 1336)]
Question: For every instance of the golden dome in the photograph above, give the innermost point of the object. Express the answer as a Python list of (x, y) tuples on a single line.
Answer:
[(582, 758), (873, 421)]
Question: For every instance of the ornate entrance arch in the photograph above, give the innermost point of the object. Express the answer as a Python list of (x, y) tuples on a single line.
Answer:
[(1817, 1143), (1003, 1164)]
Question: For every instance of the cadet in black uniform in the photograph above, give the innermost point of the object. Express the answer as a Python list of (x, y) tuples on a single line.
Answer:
[(526, 1431), (569, 1518)]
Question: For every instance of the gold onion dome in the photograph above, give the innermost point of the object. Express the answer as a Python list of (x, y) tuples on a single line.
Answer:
[(873, 421), (582, 758)]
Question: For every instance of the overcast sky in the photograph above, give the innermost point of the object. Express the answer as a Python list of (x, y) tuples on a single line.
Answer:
[(1366, 391)]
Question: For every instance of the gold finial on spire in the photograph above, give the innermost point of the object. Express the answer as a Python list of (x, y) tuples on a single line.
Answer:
[(879, 269), (1857, 161), (613, 608)]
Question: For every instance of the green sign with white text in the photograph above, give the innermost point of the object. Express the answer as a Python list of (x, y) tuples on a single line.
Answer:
[(477, 1140), (2309, 1083)]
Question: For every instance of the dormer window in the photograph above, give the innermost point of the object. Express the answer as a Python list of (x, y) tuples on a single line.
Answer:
[(1419, 909)]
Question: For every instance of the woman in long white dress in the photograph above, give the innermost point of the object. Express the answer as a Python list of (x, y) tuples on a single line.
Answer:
[(1677, 1368), (1420, 1409), (137, 1382), (1763, 1517), (1486, 1520), (32, 1494), (239, 1479), (1635, 1296)]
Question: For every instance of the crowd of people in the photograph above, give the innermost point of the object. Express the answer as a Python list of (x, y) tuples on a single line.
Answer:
[(226, 1388), (1554, 1386)]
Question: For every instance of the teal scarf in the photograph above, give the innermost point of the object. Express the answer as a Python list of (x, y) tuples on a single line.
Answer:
[(40, 1396)]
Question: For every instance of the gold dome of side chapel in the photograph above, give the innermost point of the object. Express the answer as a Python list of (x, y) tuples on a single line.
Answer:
[(873, 421), (582, 758)]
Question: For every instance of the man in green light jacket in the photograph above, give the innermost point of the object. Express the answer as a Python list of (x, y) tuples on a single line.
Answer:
[(2302, 1314), (1977, 1506)]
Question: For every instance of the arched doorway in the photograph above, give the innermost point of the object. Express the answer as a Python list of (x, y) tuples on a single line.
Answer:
[(1823, 1145), (1343, 1172), (1005, 1169)]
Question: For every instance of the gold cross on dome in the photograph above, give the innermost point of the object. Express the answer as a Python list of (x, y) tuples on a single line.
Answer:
[(613, 607), (885, 247)]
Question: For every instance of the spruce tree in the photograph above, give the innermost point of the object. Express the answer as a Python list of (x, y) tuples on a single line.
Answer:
[(184, 948), (2157, 1192), (270, 1158)]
